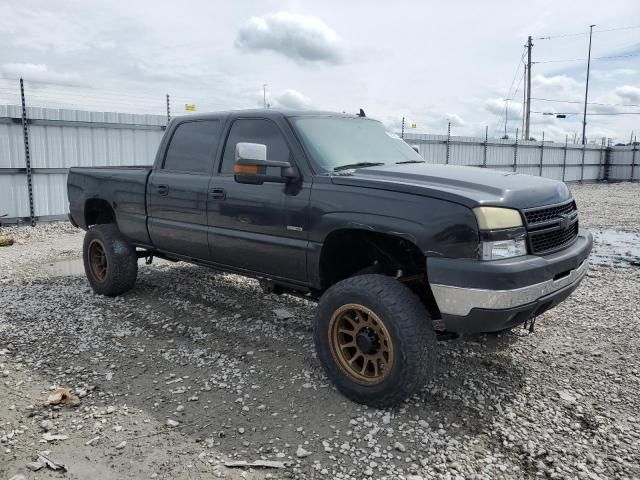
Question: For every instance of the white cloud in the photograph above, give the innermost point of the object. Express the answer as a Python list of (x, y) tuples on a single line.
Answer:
[(303, 38), (496, 106), (557, 84), (629, 93), (455, 119), (38, 73), (292, 99)]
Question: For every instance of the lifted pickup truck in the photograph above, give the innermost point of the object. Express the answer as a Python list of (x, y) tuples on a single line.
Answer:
[(337, 209)]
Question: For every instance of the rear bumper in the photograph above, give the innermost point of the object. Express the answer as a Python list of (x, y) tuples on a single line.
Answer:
[(490, 296)]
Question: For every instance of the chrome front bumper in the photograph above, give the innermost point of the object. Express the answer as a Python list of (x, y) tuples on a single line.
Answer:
[(459, 301)]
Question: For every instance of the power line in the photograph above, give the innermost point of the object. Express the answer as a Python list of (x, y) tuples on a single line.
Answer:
[(590, 103), (580, 113), (518, 86), (54, 87), (564, 35), (515, 74), (595, 58)]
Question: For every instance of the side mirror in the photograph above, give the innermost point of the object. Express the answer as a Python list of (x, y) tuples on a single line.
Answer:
[(251, 165)]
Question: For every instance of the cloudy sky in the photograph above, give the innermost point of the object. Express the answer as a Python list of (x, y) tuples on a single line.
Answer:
[(432, 62)]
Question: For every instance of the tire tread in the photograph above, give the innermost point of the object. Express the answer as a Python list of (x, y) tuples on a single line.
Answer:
[(412, 321)]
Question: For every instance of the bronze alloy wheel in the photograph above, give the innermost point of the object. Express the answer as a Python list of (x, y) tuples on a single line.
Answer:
[(98, 260), (360, 344)]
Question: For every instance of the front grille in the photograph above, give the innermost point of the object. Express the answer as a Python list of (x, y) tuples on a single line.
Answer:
[(554, 240), (551, 228), (545, 214)]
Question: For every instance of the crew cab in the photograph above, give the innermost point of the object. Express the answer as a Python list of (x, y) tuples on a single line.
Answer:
[(336, 208)]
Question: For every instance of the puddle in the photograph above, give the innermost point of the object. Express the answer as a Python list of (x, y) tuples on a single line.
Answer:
[(611, 247), (66, 267), (71, 267)]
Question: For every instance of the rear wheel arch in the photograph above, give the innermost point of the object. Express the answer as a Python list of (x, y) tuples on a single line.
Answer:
[(98, 211)]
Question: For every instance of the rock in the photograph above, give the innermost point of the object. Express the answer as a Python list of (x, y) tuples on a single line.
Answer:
[(121, 445), (566, 396), (34, 466), (400, 447), (47, 425), (282, 314), (51, 437), (256, 463), (301, 452), (172, 423)]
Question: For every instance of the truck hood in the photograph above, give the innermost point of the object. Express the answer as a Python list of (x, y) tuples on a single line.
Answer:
[(470, 186)]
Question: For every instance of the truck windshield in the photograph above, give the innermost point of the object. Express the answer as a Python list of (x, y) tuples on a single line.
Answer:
[(340, 143)]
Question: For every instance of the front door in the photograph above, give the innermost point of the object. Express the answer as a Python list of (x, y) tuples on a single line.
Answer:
[(178, 190), (262, 228)]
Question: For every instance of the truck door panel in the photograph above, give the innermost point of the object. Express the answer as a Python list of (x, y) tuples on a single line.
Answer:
[(178, 190), (262, 228)]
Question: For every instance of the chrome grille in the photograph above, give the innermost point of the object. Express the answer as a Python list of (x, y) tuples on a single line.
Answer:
[(551, 228)]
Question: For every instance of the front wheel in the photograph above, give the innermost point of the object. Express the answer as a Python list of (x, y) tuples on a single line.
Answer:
[(374, 339), (110, 262)]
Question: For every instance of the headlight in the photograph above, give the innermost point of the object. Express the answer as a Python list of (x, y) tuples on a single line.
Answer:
[(498, 249), (496, 218)]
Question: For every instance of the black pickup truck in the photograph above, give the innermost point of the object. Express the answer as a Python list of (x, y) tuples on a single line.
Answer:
[(337, 209)]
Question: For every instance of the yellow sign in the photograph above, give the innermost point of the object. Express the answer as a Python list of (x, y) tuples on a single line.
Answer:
[(413, 125), (190, 107)]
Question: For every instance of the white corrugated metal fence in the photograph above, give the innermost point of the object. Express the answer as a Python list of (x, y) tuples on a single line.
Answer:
[(60, 139)]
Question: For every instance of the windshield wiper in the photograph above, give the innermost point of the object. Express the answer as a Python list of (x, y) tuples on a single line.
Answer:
[(411, 161), (349, 166)]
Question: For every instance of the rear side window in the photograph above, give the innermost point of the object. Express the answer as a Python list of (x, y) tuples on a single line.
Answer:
[(192, 146), (254, 131)]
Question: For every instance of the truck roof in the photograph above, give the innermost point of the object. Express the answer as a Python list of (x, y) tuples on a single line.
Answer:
[(268, 113)]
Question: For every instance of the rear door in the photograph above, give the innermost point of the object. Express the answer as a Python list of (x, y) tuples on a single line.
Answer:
[(178, 190), (261, 228)]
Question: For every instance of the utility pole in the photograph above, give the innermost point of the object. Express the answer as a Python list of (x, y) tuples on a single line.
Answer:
[(264, 95), (586, 89), (506, 107), (402, 133), (528, 70), (524, 102)]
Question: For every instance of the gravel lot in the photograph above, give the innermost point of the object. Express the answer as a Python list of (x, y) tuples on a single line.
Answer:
[(194, 369)]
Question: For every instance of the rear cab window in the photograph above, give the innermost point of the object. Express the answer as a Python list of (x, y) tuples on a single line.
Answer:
[(192, 147)]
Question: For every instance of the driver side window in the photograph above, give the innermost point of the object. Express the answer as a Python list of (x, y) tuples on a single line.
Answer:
[(254, 131)]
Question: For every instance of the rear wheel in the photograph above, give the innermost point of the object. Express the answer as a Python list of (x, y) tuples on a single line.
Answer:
[(110, 262), (374, 339)]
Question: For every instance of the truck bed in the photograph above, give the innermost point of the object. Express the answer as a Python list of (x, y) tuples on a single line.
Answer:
[(123, 188)]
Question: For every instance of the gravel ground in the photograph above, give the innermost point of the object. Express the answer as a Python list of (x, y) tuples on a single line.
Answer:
[(194, 369)]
